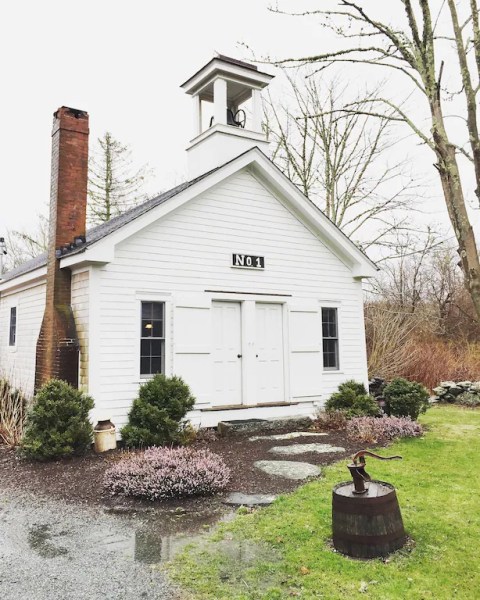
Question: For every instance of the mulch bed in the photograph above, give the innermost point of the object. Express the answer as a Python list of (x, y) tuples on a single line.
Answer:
[(79, 479)]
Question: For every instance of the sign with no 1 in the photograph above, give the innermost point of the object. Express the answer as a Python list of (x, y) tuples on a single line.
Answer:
[(247, 261)]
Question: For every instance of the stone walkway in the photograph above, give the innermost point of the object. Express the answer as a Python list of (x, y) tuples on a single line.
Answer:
[(288, 469)]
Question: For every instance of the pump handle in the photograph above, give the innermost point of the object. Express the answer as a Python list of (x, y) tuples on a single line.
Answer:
[(359, 457)]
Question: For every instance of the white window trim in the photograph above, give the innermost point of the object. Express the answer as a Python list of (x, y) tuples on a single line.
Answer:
[(338, 368), (13, 348), (166, 298)]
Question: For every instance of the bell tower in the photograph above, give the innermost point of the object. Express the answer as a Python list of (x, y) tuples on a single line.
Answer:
[(227, 112)]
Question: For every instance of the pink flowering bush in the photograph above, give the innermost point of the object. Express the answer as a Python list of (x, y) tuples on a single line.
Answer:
[(372, 429), (168, 473)]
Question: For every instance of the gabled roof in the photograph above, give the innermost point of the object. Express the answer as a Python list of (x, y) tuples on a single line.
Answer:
[(100, 231), (131, 220)]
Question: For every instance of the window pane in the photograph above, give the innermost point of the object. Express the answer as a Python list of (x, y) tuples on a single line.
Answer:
[(146, 310), (156, 364), (147, 328), (145, 347), (145, 365), (157, 329), (157, 310), (156, 347), (330, 354)]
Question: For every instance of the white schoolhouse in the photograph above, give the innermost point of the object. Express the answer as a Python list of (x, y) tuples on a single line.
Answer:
[(233, 280)]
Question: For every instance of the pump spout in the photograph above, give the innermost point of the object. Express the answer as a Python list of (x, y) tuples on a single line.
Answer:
[(357, 469)]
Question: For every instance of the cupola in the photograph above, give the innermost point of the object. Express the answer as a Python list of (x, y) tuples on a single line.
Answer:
[(227, 112)]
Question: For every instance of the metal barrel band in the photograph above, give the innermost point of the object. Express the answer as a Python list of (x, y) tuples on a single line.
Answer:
[(369, 539)]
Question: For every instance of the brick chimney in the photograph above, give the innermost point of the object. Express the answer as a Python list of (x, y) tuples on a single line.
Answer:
[(57, 345)]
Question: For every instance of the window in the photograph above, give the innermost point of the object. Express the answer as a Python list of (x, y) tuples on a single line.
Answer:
[(330, 338), (152, 339), (13, 326)]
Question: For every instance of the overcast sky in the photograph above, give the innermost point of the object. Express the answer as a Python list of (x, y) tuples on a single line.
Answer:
[(123, 62)]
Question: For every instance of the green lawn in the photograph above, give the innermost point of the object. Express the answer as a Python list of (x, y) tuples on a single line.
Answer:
[(283, 551)]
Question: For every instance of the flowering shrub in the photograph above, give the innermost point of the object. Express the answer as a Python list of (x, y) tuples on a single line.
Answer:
[(168, 473), (371, 429)]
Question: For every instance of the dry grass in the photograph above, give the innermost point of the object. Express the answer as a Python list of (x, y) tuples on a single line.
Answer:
[(12, 414), (437, 360), (401, 344), (389, 340)]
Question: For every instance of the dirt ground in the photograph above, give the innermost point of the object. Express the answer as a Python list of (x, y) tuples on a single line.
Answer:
[(79, 479)]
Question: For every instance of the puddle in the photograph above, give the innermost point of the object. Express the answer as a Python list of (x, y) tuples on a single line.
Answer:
[(40, 540), (244, 552), (158, 537)]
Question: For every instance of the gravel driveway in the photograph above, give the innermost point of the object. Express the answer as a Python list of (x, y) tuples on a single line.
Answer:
[(50, 550)]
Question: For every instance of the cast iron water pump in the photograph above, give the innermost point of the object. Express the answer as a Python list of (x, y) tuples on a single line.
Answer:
[(366, 519)]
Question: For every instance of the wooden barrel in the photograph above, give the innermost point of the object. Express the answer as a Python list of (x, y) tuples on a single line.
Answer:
[(366, 525)]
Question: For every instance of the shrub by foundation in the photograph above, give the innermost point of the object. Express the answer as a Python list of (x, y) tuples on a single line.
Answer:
[(156, 415), (371, 429), (160, 473), (405, 398), (352, 399), (57, 424)]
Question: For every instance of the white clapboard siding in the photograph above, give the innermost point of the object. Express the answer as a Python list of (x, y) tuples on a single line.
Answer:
[(17, 363), (189, 252), (80, 307)]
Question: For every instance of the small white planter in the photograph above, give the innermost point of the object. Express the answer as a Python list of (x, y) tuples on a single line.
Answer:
[(104, 436)]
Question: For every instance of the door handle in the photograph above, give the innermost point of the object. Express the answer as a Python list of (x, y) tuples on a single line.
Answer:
[(239, 356), (256, 355)]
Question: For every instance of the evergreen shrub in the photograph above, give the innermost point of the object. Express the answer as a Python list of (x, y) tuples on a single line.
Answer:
[(405, 398), (155, 418), (352, 398), (57, 423)]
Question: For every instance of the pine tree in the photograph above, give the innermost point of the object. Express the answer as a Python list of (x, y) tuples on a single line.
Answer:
[(113, 184)]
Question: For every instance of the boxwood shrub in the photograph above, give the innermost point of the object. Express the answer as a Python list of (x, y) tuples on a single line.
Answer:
[(405, 398), (352, 398), (155, 418)]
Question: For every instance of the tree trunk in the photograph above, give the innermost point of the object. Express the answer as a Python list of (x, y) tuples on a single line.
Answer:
[(447, 167)]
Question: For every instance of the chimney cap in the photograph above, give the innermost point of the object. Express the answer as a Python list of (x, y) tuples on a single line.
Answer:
[(77, 113)]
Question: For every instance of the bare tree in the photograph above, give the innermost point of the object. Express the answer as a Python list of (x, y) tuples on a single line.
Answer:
[(339, 163), (416, 51), (25, 245), (114, 185)]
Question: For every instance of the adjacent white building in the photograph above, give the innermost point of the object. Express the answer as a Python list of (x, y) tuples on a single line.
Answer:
[(234, 280)]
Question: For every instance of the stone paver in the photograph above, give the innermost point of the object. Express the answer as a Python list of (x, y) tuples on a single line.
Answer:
[(285, 436), (288, 468), (239, 499), (304, 448)]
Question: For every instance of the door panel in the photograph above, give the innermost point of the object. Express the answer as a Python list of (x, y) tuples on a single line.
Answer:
[(227, 351), (269, 353)]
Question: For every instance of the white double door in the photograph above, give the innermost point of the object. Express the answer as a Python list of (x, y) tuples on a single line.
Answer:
[(248, 363)]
